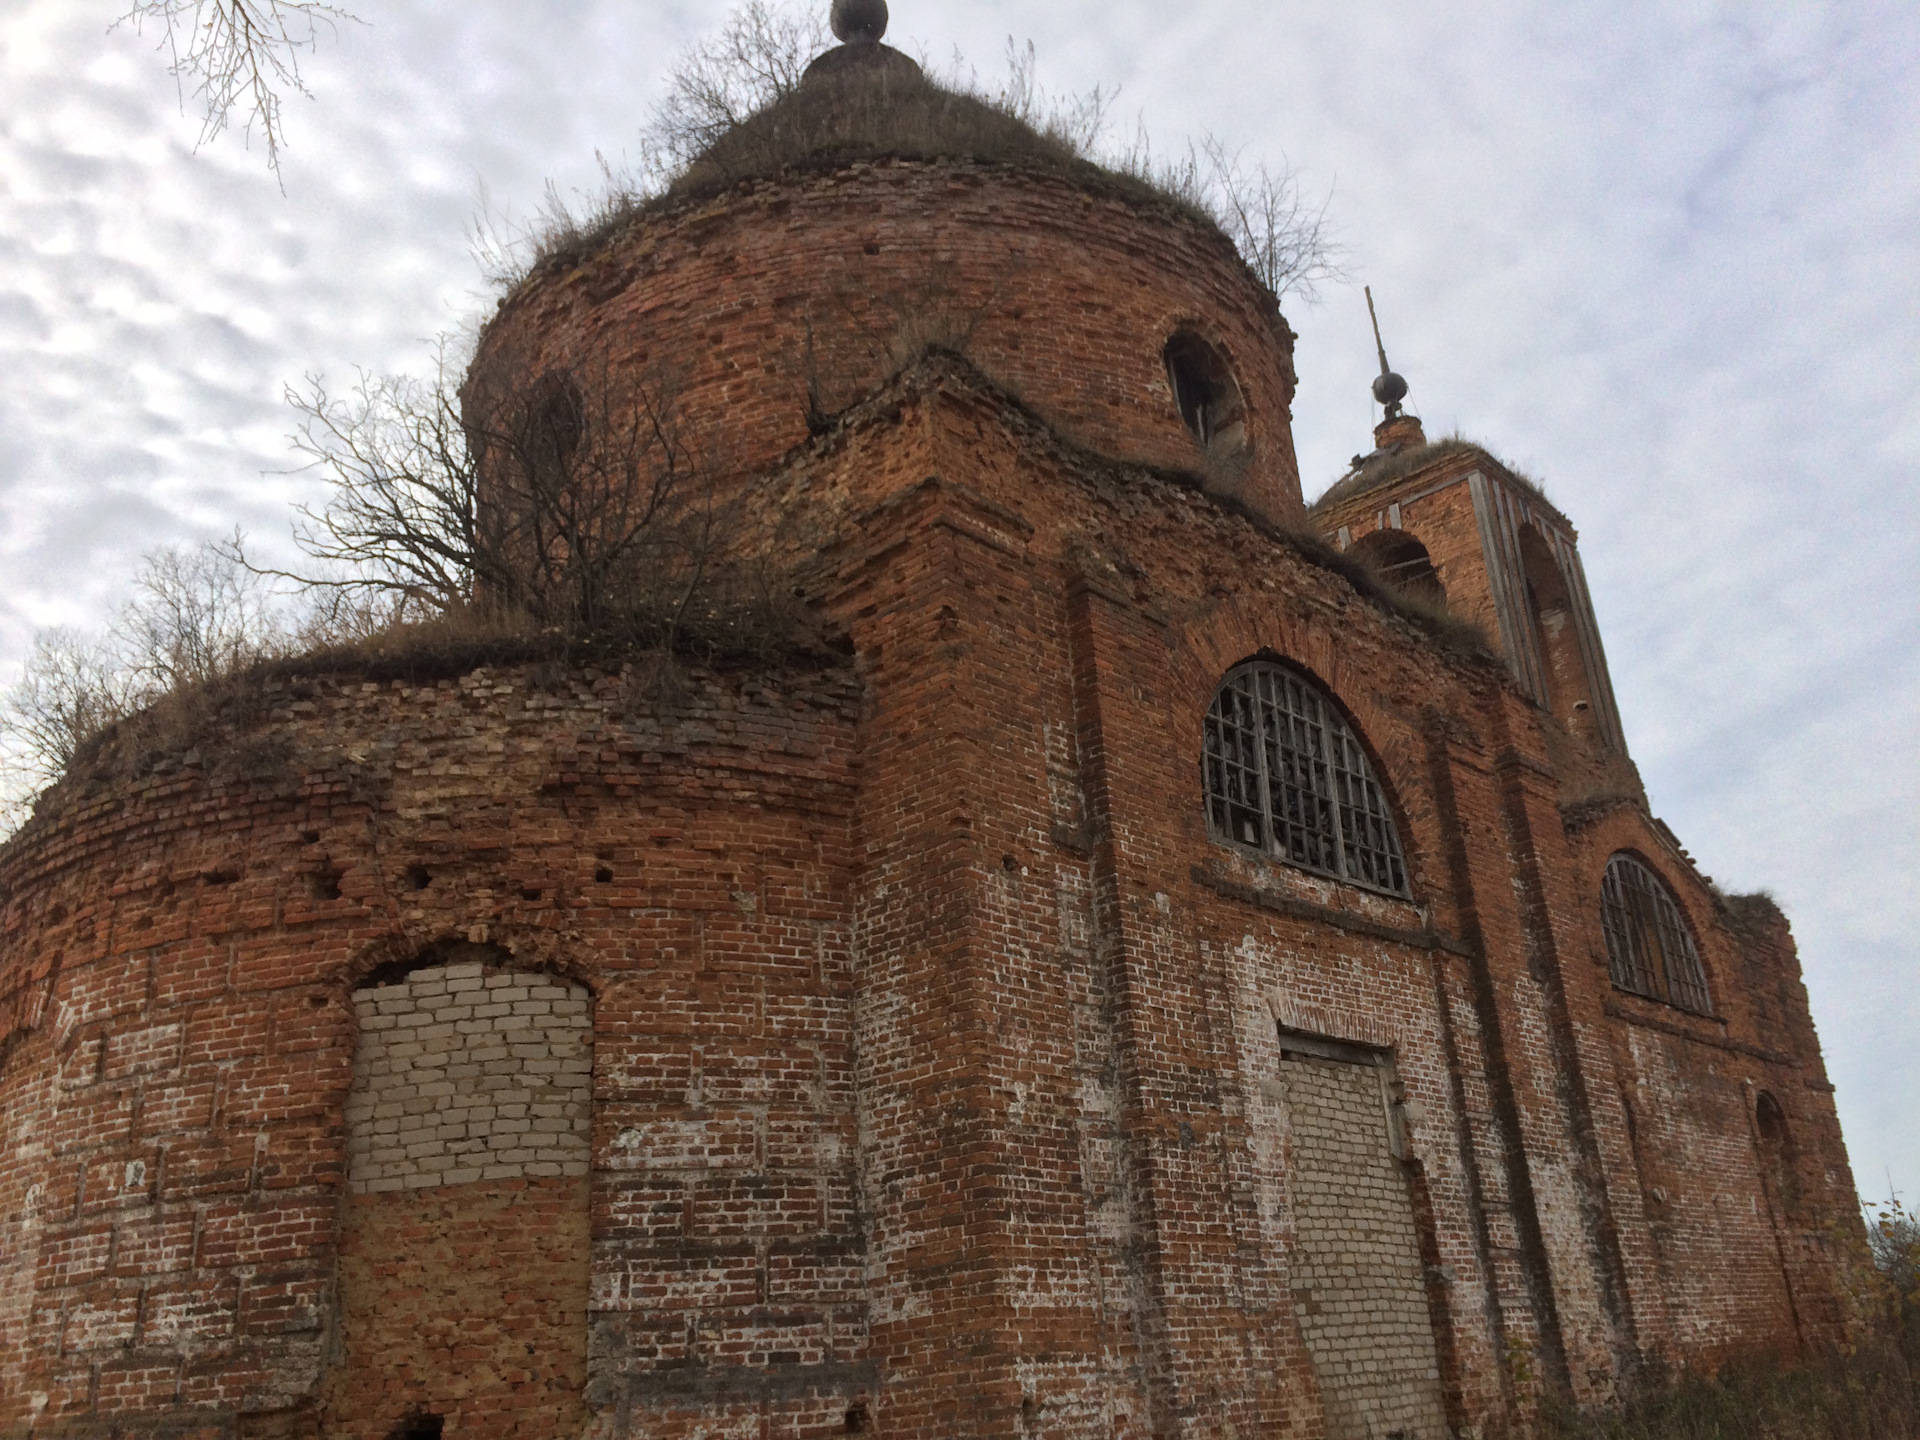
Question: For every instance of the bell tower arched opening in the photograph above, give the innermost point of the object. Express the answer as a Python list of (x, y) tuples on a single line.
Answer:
[(1569, 691), (1404, 562)]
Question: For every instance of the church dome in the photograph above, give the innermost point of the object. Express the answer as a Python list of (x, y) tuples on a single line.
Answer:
[(822, 244)]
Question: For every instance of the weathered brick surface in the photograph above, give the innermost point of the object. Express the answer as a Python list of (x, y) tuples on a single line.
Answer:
[(935, 1044), (466, 1301)]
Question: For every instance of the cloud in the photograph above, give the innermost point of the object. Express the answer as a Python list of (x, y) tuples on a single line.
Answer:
[(1666, 256)]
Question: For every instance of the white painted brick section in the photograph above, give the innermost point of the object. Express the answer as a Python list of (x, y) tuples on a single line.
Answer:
[(460, 1075)]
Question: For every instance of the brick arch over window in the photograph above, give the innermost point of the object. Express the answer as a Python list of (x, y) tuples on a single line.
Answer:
[(1650, 949), (1286, 774)]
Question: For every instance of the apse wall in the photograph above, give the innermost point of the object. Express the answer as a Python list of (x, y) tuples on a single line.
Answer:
[(302, 1022)]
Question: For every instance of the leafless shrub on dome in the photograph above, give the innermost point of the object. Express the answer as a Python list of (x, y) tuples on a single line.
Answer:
[(70, 689), (1284, 237), (1893, 1241), (239, 56), (756, 59), (735, 108)]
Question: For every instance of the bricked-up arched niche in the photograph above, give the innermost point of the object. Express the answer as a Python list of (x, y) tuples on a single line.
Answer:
[(1650, 949), (1569, 691), (1208, 396), (1286, 775), (464, 1242), (1403, 562)]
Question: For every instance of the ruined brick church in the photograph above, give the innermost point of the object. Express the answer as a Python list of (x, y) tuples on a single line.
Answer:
[(1181, 963)]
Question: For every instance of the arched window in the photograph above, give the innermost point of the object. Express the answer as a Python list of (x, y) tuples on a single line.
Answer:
[(1649, 948), (1285, 774)]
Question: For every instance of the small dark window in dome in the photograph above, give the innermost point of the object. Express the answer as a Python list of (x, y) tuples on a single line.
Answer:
[(1207, 394), (1285, 774), (1650, 950), (419, 1427), (1403, 562)]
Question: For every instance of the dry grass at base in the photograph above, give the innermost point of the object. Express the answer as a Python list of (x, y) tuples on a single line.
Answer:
[(1868, 1395)]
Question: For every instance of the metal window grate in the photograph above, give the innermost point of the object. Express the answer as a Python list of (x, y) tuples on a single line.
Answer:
[(1287, 775), (1650, 950)]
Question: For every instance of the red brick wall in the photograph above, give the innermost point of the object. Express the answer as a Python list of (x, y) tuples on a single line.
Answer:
[(465, 1301), (934, 1037)]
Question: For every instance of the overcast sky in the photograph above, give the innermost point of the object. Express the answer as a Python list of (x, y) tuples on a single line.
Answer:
[(1666, 257)]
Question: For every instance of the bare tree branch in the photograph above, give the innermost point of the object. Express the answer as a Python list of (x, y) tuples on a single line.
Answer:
[(71, 689), (196, 616), (758, 58), (239, 56)]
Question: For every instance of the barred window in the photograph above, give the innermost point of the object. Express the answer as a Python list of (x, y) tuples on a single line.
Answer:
[(1650, 951), (1285, 774)]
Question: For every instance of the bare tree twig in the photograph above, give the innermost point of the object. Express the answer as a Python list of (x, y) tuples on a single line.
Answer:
[(239, 56)]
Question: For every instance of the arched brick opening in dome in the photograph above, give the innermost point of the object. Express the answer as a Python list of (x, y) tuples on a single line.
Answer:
[(1208, 395), (464, 1242)]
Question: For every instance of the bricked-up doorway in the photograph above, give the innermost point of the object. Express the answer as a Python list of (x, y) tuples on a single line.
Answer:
[(464, 1242), (1358, 1284)]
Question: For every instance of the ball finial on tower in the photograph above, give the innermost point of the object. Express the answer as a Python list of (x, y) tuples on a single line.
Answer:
[(859, 22), (1388, 388)]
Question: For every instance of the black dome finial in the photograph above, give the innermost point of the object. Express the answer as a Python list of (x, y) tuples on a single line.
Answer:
[(1388, 388), (859, 22)]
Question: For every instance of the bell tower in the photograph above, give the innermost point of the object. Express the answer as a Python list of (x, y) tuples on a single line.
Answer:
[(1445, 522)]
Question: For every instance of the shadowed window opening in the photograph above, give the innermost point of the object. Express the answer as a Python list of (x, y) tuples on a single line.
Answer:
[(555, 423), (1565, 669), (1403, 562), (1285, 774), (1773, 1125), (419, 1427), (857, 1420), (1650, 950), (1207, 394), (1777, 1158)]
